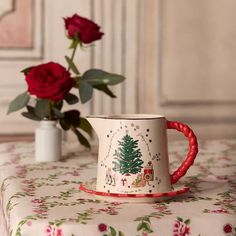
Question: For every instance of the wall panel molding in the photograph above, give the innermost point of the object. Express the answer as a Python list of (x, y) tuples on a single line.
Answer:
[(6, 7), (192, 28), (188, 61), (23, 45), (118, 52), (178, 59)]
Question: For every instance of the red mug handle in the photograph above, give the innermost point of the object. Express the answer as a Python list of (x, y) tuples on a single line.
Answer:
[(193, 149)]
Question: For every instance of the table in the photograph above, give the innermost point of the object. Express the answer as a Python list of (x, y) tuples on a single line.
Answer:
[(44, 198)]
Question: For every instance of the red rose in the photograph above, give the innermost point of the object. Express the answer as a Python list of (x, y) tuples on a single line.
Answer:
[(86, 29), (49, 81), (102, 227), (72, 117), (228, 228)]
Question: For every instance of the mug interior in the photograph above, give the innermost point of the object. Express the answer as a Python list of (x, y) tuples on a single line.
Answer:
[(129, 116)]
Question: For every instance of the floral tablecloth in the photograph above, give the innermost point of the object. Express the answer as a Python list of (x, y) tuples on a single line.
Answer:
[(44, 199)]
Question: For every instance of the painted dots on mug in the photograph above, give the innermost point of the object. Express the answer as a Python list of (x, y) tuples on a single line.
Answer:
[(147, 130), (150, 140), (108, 136), (132, 124), (153, 186), (156, 157), (137, 126), (150, 191)]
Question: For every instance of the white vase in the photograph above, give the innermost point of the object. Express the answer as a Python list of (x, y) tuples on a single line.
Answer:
[(47, 142)]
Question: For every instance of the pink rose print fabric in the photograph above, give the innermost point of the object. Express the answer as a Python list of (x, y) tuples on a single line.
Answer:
[(53, 231), (44, 199), (181, 227)]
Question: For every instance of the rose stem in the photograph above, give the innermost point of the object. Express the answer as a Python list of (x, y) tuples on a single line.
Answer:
[(72, 55), (49, 110)]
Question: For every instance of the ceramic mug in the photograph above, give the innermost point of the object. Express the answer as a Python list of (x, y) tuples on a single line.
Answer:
[(133, 156)]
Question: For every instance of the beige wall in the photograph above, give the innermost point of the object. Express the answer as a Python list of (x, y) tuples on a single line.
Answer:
[(194, 64), (178, 57)]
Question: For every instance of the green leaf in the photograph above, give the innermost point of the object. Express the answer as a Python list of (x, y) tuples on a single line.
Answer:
[(71, 99), (180, 219), (64, 125), (150, 231), (85, 91), (85, 126), (147, 227), (26, 70), (187, 222), (96, 77), (31, 113), (30, 109), (147, 219), (19, 102), (81, 138), (42, 108), (58, 105), (140, 226), (18, 233), (72, 118), (113, 231), (105, 89), (30, 116), (72, 65), (57, 112), (121, 233)]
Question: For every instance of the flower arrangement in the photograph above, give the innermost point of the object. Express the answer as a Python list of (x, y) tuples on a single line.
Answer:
[(49, 84)]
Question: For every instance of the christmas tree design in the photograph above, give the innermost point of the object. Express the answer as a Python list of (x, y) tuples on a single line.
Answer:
[(127, 159)]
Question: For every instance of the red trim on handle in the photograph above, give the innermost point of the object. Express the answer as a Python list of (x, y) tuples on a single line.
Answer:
[(193, 149)]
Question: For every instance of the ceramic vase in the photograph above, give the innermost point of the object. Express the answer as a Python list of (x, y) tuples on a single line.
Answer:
[(47, 142)]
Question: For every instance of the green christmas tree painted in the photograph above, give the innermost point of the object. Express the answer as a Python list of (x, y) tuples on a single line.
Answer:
[(127, 159)]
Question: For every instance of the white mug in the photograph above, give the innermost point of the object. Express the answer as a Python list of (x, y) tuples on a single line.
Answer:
[(133, 156)]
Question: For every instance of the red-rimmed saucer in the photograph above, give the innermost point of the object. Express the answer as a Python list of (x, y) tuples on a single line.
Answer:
[(90, 188)]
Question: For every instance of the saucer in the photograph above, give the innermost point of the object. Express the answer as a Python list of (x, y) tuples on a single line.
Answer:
[(90, 187)]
